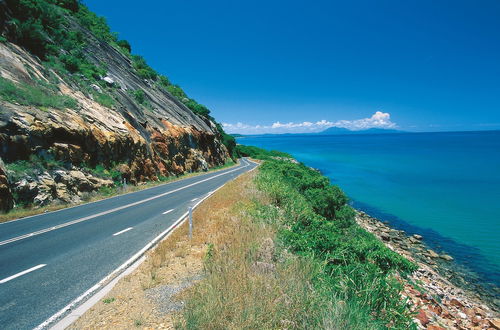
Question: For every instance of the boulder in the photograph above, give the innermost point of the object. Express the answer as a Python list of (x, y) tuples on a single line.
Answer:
[(68, 153), (417, 236), (432, 254), (43, 199), (81, 182), (422, 317), (62, 193), (455, 302), (26, 190), (413, 240), (109, 80), (446, 257), (495, 323)]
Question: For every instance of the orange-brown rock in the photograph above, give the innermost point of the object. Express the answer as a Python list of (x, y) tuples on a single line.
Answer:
[(456, 303), (495, 323), (436, 309), (141, 142), (434, 327), (422, 317)]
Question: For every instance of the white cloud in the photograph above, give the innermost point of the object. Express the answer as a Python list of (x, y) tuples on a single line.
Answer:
[(377, 120)]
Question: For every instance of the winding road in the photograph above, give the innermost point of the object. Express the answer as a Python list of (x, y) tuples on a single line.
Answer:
[(49, 260)]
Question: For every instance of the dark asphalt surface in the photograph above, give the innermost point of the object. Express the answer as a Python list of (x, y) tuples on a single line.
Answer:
[(78, 256)]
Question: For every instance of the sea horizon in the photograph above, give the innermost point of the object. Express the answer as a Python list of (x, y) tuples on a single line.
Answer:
[(381, 172)]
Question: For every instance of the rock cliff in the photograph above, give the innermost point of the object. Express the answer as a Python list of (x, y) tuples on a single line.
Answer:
[(141, 130)]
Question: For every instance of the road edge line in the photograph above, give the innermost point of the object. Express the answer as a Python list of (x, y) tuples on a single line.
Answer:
[(60, 321), (119, 208), (131, 192)]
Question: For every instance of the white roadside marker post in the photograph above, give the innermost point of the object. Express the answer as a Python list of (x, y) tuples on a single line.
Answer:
[(190, 222)]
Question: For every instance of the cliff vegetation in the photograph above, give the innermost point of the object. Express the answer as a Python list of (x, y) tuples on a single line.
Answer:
[(74, 98)]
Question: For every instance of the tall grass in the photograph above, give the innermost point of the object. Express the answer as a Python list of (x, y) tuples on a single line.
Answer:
[(274, 262)]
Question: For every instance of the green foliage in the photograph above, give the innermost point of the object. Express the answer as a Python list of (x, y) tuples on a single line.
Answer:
[(20, 169), (96, 24), (34, 95), (124, 44), (176, 92), (163, 81), (72, 5), (35, 22), (104, 99), (41, 26), (143, 69), (229, 142), (258, 153), (197, 108), (2, 39), (317, 223), (106, 172), (108, 300), (139, 96)]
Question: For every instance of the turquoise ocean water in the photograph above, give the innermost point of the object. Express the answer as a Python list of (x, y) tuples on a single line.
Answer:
[(445, 186)]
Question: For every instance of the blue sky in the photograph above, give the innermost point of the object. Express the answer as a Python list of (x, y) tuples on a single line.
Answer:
[(293, 66)]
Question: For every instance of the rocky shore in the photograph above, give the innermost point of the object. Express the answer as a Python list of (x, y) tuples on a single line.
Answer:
[(437, 302)]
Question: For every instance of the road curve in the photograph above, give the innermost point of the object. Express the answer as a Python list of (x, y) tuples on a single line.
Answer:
[(48, 260)]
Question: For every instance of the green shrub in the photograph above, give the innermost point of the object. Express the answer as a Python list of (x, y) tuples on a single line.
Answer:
[(125, 45), (143, 69), (20, 169), (104, 172), (33, 24), (96, 24), (317, 223), (258, 153), (163, 81), (139, 96)]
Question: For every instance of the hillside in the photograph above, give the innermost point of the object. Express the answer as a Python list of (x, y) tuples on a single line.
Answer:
[(79, 112)]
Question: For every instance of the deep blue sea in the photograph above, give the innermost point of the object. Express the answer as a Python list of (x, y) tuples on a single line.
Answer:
[(445, 186)]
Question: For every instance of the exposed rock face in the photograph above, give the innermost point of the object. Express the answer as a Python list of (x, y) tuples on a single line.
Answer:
[(66, 186), (6, 200), (159, 137)]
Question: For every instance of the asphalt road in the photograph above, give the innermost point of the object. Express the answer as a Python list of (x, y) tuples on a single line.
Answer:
[(48, 260)]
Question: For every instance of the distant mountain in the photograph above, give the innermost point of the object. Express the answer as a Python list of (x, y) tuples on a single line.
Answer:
[(342, 131)]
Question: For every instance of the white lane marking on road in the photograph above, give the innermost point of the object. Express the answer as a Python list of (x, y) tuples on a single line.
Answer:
[(22, 273), (167, 212), (194, 199), (126, 264), (116, 209), (122, 231)]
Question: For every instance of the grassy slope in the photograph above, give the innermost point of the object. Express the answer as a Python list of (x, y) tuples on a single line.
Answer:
[(288, 261)]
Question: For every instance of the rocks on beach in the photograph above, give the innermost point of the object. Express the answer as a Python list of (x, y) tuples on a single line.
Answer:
[(436, 302)]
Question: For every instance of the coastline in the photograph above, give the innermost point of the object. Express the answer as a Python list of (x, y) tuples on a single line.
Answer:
[(439, 293)]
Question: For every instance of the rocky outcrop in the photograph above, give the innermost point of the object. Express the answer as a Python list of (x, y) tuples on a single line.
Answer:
[(64, 186), (157, 137), (436, 302), (6, 199)]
